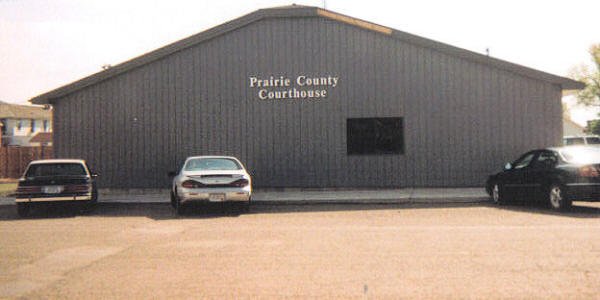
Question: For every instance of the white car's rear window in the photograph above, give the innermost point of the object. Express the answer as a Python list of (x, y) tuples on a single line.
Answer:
[(207, 164)]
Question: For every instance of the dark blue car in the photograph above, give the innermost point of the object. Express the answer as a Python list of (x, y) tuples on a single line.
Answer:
[(556, 176)]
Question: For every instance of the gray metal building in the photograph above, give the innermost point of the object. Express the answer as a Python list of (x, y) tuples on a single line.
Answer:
[(306, 97)]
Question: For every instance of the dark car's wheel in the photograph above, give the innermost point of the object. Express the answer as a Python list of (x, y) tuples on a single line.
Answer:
[(23, 209), (557, 198), (91, 204), (88, 207), (497, 195)]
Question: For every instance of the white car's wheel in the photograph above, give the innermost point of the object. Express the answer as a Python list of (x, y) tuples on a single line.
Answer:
[(179, 209), (246, 205), (173, 199)]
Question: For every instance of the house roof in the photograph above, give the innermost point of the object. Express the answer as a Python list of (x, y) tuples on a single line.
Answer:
[(42, 137), (15, 111), (569, 121), (299, 11)]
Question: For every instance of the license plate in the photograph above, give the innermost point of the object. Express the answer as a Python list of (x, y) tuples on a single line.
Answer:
[(52, 189), (216, 197)]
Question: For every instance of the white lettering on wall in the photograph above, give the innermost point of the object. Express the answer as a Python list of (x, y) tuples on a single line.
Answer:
[(302, 87)]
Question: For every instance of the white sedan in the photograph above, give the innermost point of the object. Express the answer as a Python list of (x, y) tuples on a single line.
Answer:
[(211, 179)]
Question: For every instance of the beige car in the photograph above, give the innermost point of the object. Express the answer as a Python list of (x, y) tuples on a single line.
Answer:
[(211, 179)]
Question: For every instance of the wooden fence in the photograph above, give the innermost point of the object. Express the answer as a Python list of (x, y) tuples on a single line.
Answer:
[(14, 160)]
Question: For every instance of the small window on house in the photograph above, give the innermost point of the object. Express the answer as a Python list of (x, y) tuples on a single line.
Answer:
[(3, 126), (45, 125), (375, 136), (19, 124), (32, 125)]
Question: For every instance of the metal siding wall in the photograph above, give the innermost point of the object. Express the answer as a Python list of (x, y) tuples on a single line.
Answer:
[(462, 120), (59, 128)]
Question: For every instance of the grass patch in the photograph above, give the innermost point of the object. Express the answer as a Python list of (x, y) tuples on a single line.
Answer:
[(7, 188)]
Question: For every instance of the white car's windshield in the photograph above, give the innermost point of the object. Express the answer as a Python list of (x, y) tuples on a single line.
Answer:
[(581, 155), (205, 164)]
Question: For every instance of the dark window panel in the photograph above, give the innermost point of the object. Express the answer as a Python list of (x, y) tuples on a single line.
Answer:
[(375, 136)]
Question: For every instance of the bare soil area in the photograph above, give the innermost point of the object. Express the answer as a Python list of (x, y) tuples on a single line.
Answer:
[(306, 251)]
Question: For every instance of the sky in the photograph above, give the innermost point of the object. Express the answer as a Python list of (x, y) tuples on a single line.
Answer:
[(45, 44)]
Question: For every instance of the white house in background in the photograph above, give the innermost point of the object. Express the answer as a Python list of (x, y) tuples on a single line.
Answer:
[(22, 122), (571, 128)]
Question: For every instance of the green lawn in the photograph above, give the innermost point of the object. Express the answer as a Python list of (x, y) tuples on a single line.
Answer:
[(7, 188)]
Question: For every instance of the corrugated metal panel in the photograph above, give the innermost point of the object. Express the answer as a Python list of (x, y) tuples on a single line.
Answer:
[(462, 119)]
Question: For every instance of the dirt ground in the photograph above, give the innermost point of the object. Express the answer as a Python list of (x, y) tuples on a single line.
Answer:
[(307, 251)]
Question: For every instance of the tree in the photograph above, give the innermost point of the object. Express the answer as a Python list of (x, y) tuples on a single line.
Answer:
[(593, 127), (590, 95)]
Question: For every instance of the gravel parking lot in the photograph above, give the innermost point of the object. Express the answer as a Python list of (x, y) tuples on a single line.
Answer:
[(143, 250)]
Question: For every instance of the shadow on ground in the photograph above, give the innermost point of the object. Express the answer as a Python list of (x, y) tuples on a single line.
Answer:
[(579, 209), (163, 211)]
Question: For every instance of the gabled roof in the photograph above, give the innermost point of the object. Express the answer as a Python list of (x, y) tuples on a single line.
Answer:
[(570, 121), (298, 11), (15, 111)]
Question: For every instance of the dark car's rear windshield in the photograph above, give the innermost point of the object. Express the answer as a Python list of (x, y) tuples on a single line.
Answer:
[(206, 164), (57, 169), (581, 155)]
